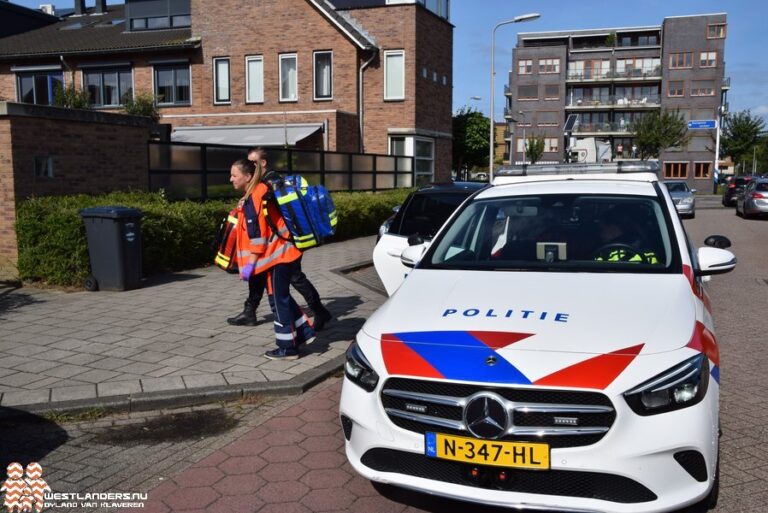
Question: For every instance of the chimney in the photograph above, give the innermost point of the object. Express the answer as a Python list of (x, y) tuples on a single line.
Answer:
[(48, 9), (101, 6), (80, 7)]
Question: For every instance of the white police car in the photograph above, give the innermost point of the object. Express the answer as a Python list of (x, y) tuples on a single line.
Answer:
[(552, 348)]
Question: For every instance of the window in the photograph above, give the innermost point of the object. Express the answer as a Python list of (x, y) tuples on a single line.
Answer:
[(254, 79), (552, 92), (548, 118), (221, 80), (702, 169), (525, 67), (424, 72), (681, 60), (394, 75), (160, 22), (424, 161), (108, 88), (638, 67), (527, 92), (288, 78), (397, 146), (589, 69), (172, 84), (323, 75), (38, 87), (434, 76), (675, 170), (707, 59), (44, 167), (549, 66), (703, 88), (183, 20), (139, 24), (550, 144), (676, 88), (716, 31)]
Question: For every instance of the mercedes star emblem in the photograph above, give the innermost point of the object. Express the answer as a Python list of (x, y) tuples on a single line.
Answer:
[(485, 416)]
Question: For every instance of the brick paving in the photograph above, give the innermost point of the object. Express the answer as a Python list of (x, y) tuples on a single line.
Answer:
[(168, 337)]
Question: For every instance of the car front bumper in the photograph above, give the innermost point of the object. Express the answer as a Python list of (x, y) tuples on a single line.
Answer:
[(637, 453), (686, 209)]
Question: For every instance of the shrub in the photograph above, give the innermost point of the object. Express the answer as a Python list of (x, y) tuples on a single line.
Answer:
[(180, 235), (71, 97), (142, 104)]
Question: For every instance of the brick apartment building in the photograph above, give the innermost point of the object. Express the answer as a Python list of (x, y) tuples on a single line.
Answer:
[(371, 76), (608, 78)]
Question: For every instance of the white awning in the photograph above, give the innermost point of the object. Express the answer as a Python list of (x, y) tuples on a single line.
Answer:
[(246, 135)]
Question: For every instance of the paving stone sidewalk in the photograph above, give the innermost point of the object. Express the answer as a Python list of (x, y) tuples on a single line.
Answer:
[(169, 341)]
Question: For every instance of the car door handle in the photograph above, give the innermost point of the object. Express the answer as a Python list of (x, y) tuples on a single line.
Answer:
[(395, 252)]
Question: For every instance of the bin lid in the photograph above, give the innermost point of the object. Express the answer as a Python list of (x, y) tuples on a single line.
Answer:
[(111, 212)]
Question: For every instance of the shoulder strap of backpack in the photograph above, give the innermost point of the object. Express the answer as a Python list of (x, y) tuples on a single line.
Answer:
[(271, 180)]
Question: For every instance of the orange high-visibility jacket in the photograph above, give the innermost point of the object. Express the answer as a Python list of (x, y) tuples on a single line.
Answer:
[(256, 237)]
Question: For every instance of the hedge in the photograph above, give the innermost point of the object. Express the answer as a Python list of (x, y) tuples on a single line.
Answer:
[(177, 235)]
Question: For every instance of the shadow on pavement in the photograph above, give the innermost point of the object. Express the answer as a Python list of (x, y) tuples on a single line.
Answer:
[(164, 279), (10, 299), (25, 437)]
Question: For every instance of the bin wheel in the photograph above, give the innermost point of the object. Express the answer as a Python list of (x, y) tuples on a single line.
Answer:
[(91, 285)]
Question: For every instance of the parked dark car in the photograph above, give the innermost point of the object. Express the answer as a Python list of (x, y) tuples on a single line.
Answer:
[(424, 211), (754, 200), (735, 187)]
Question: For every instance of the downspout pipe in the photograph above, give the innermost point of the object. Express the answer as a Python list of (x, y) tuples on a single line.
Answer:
[(361, 100)]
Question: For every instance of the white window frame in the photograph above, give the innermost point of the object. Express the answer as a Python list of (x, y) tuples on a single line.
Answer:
[(216, 99), (314, 76), (410, 151), (248, 60), (707, 57), (284, 56), (387, 53)]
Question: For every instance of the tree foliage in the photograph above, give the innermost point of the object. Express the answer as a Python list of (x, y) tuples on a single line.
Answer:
[(471, 131), (71, 97), (534, 148), (142, 104), (740, 135), (656, 132)]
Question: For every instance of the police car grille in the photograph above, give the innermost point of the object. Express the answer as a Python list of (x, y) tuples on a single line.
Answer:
[(566, 418), (564, 483)]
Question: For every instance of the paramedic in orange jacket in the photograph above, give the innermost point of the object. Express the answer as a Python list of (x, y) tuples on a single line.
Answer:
[(261, 250)]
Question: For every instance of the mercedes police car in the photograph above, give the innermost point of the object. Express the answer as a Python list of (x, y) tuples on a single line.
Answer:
[(552, 348)]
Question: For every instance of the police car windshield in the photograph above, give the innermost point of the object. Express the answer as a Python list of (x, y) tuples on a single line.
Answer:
[(558, 232)]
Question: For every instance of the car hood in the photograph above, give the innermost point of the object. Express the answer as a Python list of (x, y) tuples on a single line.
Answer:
[(522, 327)]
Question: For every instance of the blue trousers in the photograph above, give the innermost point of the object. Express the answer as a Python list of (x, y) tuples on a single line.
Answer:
[(292, 327)]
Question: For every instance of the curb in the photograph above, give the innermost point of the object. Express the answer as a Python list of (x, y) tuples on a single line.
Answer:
[(182, 398)]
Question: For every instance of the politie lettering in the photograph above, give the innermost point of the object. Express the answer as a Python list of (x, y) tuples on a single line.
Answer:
[(509, 313)]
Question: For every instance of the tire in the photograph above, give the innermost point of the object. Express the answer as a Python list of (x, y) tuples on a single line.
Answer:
[(90, 284)]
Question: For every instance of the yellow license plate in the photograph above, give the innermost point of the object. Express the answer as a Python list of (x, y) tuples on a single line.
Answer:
[(487, 452)]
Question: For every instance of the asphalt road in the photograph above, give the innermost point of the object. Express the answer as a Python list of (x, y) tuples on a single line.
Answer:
[(286, 454)]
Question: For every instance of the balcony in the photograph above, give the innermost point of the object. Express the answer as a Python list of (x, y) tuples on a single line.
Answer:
[(508, 113), (614, 102), (726, 83), (602, 129), (611, 75), (508, 134), (507, 90)]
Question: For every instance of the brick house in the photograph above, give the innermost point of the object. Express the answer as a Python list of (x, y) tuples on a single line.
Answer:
[(371, 76)]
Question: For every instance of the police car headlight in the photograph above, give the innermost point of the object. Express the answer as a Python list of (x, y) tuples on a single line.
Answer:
[(686, 201), (359, 370), (682, 386)]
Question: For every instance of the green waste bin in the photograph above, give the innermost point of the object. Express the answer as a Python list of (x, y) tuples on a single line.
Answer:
[(114, 247)]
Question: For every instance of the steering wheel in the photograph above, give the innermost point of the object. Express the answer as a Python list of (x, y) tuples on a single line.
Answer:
[(629, 252)]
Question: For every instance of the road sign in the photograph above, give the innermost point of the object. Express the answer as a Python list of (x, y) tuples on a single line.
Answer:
[(702, 124)]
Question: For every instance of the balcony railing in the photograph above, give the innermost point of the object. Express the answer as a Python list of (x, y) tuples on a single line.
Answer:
[(613, 74), (508, 113), (651, 100), (726, 83), (507, 90), (611, 127)]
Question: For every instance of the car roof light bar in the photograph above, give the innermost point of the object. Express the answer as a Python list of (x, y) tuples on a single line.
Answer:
[(579, 169)]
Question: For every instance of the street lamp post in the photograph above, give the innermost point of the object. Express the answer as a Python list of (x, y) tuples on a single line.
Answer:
[(516, 19), (525, 143)]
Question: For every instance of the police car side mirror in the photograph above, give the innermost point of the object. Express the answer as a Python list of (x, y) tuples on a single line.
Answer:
[(718, 241), (715, 261), (412, 254), (415, 239)]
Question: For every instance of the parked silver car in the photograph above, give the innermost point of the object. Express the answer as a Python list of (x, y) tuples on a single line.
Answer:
[(754, 200), (682, 195)]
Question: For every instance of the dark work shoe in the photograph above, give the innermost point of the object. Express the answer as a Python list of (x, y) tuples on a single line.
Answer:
[(244, 318), (282, 353), (322, 316)]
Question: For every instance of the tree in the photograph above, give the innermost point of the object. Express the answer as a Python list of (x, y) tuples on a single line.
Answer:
[(656, 132), (142, 104), (71, 97), (534, 148), (471, 130), (740, 135)]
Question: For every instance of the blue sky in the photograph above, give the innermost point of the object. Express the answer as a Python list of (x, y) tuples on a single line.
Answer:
[(474, 20)]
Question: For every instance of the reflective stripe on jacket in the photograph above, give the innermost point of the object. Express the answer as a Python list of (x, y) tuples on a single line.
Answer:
[(620, 255), (255, 237)]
